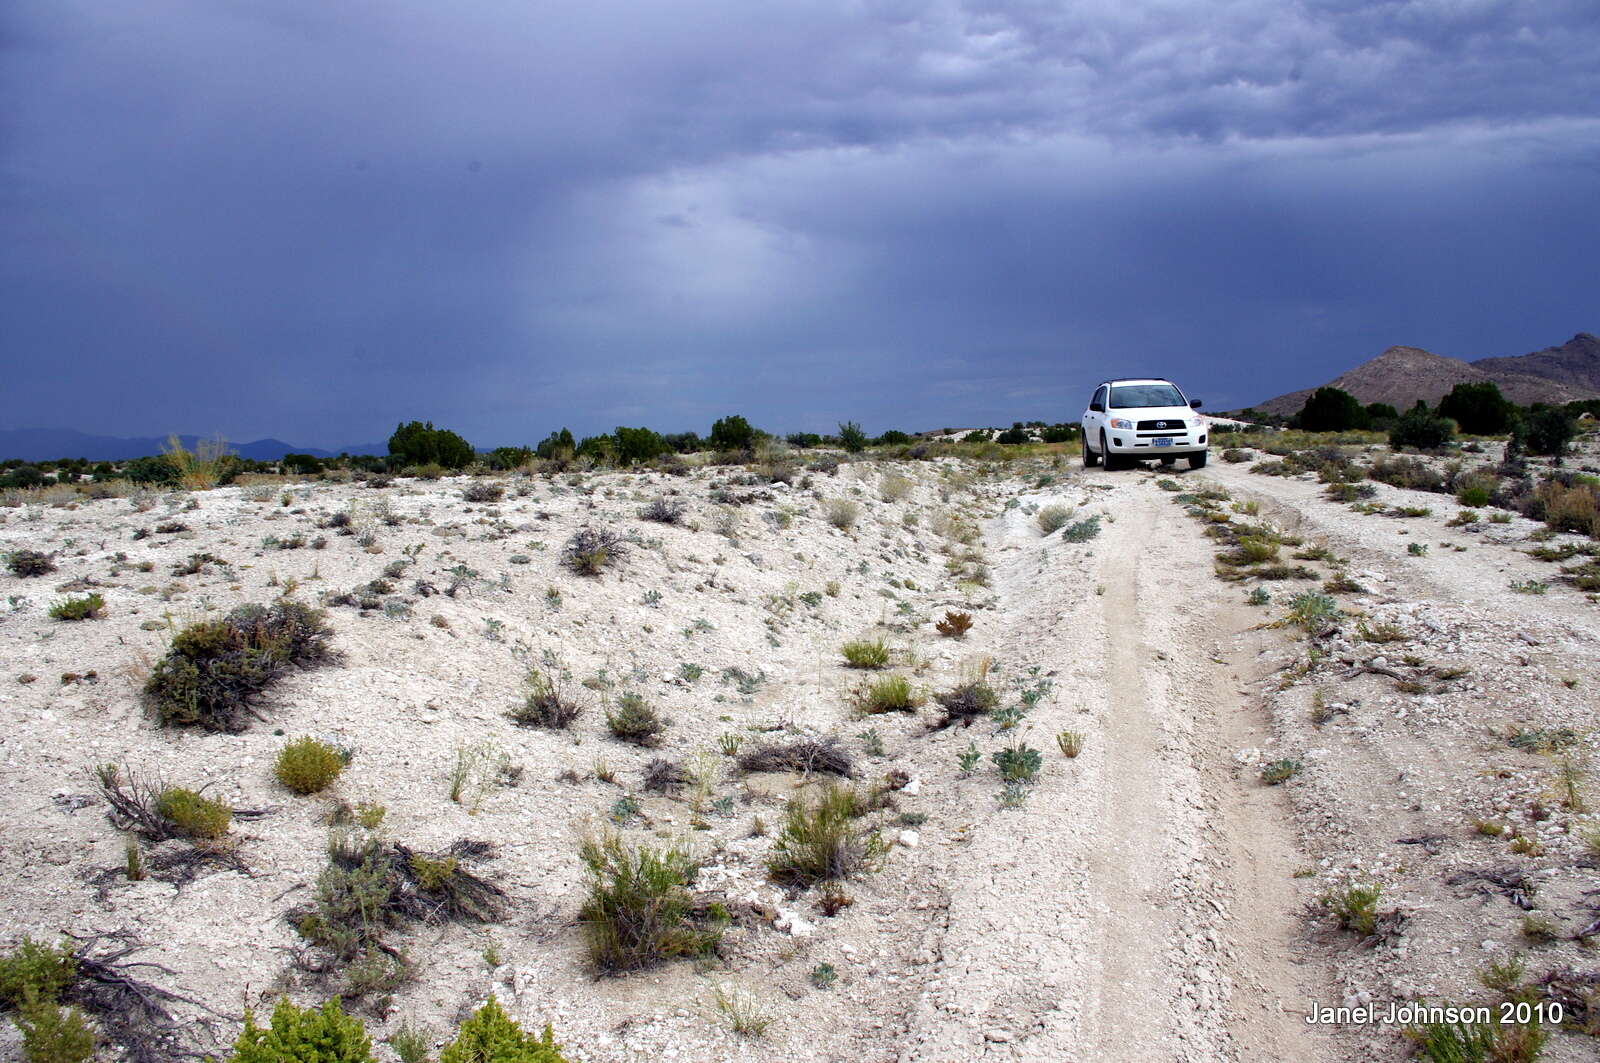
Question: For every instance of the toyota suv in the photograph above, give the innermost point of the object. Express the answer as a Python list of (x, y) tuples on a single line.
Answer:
[(1138, 420)]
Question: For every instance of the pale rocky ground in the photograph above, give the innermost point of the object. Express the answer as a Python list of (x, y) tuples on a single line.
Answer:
[(1151, 900)]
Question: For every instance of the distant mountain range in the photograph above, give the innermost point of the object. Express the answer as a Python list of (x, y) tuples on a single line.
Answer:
[(1402, 375), (45, 444)]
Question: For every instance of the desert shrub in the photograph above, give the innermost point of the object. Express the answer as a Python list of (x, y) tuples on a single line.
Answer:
[(491, 1037), (547, 703), (820, 839), (1477, 488), (215, 668), (53, 1034), (890, 693), (29, 563), (634, 720), (37, 971), (1479, 408), (663, 510), (1411, 473), (309, 765), (1421, 428), (852, 438), (591, 549), (842, 513), (967, 702), (895, 487), (1082, 531), (1053, 518), (483, 492), (1575, 508), (1235, 456), (1280, 771), (1545, 431), (193, 814), (1355, 907), (864, 653), (1251, 551), (641, 910), (1478, 1042), (732, 433), (954, 625), (304, 1035), (665, 776), (86, 608), (1312, 611), (808, 755)]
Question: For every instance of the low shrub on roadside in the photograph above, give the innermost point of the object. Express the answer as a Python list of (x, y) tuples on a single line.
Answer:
[(309, 765), (490, 1036), (890, 693), (193, 814), (641, 909), (547, 703), (865, 653), (966, 703), (634, 720), (842, 513), (663, 510), (1053, 518), (954, 625), (820, 839), (591, 550), (27, 563), (86, 608), (216, 668), (302, 1035)]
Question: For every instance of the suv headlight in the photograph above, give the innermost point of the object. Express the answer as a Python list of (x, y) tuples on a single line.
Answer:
[(1122, 423)]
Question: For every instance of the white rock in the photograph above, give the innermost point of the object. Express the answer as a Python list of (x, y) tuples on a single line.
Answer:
[(912, 788), (910, 839)]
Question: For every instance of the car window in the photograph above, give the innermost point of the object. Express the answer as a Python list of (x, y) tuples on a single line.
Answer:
[(1099, 396), (1134, 396)]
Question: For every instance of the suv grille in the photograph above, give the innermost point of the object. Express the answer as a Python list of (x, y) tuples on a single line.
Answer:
[(1174, 424)]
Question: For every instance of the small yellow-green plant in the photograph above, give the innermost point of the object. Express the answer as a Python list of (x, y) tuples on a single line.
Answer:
[(194, 815), (85, 608), (865, 653), (1070, 742), (890, 693), (309, 765)]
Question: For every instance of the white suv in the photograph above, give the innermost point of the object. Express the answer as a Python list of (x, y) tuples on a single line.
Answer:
[(1135, 420)]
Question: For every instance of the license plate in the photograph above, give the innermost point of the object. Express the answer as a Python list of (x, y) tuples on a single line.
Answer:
[(1164, 442)]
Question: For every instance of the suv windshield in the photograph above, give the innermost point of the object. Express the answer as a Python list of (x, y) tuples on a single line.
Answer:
[(1137, 396)]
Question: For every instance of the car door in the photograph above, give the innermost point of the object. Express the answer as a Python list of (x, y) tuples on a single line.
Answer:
[(1095, 420)]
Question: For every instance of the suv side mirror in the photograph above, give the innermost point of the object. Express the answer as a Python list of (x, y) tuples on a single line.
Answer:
[(1096, 407), (1195, 404)]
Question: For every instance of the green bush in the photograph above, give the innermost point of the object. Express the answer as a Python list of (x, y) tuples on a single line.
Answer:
[(491, 1037), (304, 1035), (193, 814), (422, 444), (862, 653), (819, 840), (86, 608), (215, 668), (1082, 531), (1018, 763), (1479, 409), (732, 433), (309, 765), (1421, 428), (890, 693), (633, 720), (53, 1034), (39, 971), (852, 438), (29, 563), (640, 910), (1331, 409), (1545, 431)]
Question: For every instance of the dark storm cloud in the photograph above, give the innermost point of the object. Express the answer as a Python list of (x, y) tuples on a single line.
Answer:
[(312, 220)]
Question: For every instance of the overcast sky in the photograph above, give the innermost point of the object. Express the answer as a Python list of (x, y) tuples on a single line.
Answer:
[(314, 219)]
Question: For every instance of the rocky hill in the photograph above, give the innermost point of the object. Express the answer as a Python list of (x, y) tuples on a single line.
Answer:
[(1402, 375)]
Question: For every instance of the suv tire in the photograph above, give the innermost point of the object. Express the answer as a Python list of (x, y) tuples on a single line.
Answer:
[(1197, 461), (1090, 458), (1113, 461)]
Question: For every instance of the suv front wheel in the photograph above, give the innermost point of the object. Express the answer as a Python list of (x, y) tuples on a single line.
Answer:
[(1197, 460)]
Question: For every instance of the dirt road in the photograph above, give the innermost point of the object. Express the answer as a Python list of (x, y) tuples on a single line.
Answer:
[(1140, 907)]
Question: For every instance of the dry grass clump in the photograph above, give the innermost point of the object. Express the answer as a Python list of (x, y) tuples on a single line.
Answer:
[(641, 909), (820, 839), (966, 703), (665, 776), (866, 653), (954, 625), (807, 755), (591, 550), (1053, 518), (1573, 509), (309, 765), (634, 720), (216, 668), (483, 492), (895, 487), (547, 703), (890, 693), (842, 513), (663, 510)]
